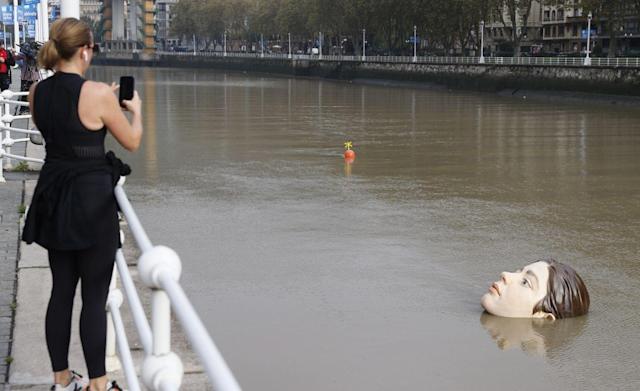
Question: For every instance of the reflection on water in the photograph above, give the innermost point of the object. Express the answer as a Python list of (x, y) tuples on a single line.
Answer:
[(533, 336), (315, 275)]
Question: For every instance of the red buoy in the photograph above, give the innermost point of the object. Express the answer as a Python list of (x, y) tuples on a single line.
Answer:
[(349, 154)]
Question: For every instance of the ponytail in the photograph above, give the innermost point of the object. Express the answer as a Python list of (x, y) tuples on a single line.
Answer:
[(48, 55)]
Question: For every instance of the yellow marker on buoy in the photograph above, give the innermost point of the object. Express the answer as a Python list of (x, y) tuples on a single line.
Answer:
[(349, 154)]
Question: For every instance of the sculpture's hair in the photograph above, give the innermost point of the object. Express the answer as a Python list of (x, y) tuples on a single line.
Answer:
[(65, 38), (567, 295)]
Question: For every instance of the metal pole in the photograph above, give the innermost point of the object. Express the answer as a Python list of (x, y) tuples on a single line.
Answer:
[(4, 34), (262, 45), (364, 45), (112, 361), (225, 44), (45, 20), (587, 60), (194, 44), (69, 9), (482, 42), (6, 132), (320, 44), (160, 322), (16, 26), (290, 55), (7, 135), (415, 43)]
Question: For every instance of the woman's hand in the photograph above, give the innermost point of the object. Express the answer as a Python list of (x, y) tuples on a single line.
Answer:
[(134, 105)]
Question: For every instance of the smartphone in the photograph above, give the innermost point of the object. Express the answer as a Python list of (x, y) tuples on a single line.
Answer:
[(126, 88)]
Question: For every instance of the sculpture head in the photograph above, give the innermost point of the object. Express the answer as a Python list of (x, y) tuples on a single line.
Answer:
[(543, 289)]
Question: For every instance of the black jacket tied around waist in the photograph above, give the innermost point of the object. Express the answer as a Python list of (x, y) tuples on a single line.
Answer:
[(62, 213)]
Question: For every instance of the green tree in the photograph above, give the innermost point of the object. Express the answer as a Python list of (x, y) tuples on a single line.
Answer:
[(610, 13), (514, 15)]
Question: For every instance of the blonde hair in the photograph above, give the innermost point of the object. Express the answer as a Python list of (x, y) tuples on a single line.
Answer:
[(65, 38)]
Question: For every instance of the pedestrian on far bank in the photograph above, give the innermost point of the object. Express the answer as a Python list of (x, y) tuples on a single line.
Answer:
[(5, 78), (73, 213)]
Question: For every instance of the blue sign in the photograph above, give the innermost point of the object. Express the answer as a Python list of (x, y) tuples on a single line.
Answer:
[(594, 32), (7, 14), (20, 13), (412, 39), (30, 12), (54, 12), (29, 2), (31, 30)]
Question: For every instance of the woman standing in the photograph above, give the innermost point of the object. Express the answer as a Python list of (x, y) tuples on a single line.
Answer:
[(73, 213)]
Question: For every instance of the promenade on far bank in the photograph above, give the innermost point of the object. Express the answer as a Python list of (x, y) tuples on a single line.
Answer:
[(512, 75)]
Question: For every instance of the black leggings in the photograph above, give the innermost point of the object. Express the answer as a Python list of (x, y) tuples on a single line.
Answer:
[(94, 267)]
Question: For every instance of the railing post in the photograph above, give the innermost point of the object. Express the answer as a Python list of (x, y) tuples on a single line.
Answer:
[(112, 360), (2, 180), (7, 94), (162, 369)]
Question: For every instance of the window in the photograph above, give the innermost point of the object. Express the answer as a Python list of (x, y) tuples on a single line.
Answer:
[(546, 15), (560, 14), (561, 31), (553, 15)]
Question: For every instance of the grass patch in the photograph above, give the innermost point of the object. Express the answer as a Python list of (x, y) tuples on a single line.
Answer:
[(13, 306), (22, 208), (22, 167), (8, 360)]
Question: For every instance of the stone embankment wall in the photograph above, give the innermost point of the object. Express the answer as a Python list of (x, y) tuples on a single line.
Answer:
[(601, 80)]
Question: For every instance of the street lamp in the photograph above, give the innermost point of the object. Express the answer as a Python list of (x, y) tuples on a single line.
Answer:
[(415, 43), (587, 60), (364, 45), (290, 56), (482, 42)]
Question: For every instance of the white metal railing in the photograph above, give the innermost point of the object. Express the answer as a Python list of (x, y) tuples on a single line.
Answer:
[(159, 268), (7, 101), (618, 62)]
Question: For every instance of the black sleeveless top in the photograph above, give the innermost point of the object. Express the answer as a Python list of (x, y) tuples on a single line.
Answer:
[(73, 205), (56, 114)]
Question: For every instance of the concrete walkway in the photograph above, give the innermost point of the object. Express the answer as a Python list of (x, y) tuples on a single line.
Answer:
[(10, 201), (30, 369)]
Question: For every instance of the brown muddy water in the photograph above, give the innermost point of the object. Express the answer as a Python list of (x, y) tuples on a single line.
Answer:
[(311, 274)]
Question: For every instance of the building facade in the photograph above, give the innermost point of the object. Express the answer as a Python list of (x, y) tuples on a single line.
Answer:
[(91, 9), (165, 40), (565, 26)]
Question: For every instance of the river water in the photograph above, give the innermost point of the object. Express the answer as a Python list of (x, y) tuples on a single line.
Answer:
[(314, 274)]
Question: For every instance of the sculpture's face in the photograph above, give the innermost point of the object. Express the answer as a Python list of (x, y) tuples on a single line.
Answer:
[(516, 294)]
